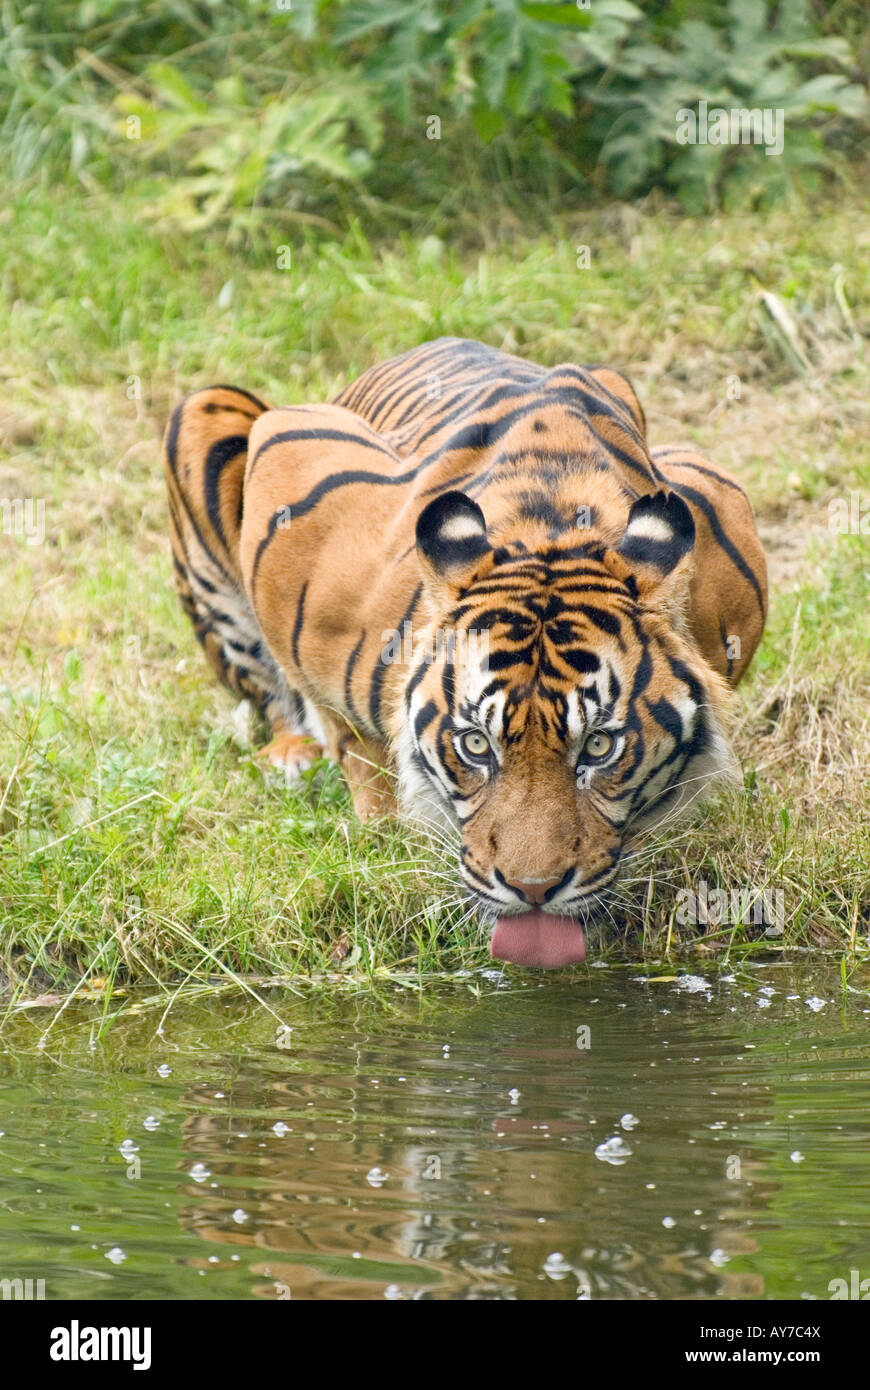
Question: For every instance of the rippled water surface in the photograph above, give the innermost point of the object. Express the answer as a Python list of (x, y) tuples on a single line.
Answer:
[(603, 1136)]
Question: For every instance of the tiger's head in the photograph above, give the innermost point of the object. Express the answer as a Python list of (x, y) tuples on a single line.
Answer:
[(555, 705)]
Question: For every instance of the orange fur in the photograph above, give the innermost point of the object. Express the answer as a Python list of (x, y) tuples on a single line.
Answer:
[(296, 556)]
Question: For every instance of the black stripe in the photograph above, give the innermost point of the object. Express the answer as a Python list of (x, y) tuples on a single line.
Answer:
[(424, 717), (701, 502), (699, 468), (348, 678), (607, 622), (380, 671), (342, 436), (172, 435), (663, 713), (255, 400), (297, 626), (219, 455)]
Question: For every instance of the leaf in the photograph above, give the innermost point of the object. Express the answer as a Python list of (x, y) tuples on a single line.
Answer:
[(174, 88), (564, 14), (488, 122), (363, 18)]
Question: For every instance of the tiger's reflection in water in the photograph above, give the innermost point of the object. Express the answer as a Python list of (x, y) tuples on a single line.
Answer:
[(353, 1179)]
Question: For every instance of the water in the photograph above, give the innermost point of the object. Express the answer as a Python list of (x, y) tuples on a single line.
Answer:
[(604, 1136)]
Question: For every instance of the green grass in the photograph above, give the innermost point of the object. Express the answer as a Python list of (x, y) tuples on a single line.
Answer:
[(138, 838)]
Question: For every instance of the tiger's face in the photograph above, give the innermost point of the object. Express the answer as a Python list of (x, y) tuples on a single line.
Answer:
[(556, 710)]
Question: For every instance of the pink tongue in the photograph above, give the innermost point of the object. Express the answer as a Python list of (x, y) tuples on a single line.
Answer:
[(538, 938)]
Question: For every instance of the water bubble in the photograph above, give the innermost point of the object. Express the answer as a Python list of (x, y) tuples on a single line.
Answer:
[(816, 1003), (556, 1266), (240, 1215), (116, 1255), (692, 984), (496, 977), (668, 1222), (280, 1128), (719, 1258), (199, 1172), (514, 1095), (128, 1148), (613, 1150), (797, 1156), (392, 1292), (150, 1122), (375, 1177), (629, 1121), (164, 1070)]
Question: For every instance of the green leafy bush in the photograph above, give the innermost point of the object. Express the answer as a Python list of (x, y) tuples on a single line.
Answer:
[(237, 151), (247, 106), (751, 61), (492, 59)]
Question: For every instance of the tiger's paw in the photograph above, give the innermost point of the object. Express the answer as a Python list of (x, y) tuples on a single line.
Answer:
[(374, 803), (291, 754)]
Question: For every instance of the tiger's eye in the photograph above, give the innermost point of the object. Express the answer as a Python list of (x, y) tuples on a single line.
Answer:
[(598, 745), (474, 744)]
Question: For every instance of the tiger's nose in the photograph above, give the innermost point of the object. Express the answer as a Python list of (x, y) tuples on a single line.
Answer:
[(534, 890)]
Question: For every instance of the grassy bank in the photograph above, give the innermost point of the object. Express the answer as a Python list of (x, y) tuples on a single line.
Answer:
[(138, 837)]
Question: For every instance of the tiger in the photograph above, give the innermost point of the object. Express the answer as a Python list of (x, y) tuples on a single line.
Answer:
[(469, 581)]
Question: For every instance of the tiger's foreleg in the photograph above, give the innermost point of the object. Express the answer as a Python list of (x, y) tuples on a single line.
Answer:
[(366, 767)]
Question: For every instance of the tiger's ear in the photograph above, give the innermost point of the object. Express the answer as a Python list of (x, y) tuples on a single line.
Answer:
[(451, 541), (620, 387), (654, 557)]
